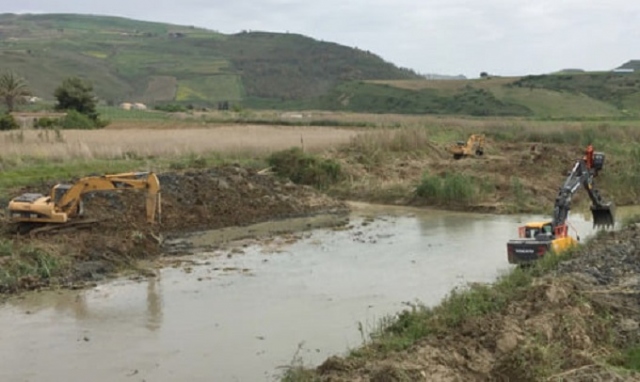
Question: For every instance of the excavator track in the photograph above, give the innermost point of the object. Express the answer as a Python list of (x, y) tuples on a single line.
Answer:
[(35, 231)]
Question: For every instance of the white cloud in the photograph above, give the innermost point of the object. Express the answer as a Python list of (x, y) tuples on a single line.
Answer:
[(509, 37)]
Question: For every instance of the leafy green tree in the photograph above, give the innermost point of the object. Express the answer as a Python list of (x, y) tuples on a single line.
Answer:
[(76, 94), (13, 89)]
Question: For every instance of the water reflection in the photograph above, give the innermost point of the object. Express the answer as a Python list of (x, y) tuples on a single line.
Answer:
[(101, 304), (154, 304)]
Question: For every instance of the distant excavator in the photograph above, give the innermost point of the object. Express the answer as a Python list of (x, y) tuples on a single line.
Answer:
[(473, 146), (538, 238), (38, 212)]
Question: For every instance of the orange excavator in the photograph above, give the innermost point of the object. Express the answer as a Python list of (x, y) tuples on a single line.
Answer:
[(538, 238), (64, 203)]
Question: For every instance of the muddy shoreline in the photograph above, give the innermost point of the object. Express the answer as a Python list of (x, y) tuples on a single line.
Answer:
[(233, 201)]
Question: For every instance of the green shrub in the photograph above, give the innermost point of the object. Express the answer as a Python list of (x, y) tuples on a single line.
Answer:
[(302, 168), (7, 122), (76, 120), (452, 188), (47, 123)]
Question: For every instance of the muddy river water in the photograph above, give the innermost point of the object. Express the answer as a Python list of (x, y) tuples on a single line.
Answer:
[(242, 314)]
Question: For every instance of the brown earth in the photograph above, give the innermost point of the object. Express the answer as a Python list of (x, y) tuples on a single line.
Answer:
[(191, 201), (538, 172)]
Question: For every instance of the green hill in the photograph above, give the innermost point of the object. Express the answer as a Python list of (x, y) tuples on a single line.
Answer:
[(588, 95), (157, 63), (129, 60)]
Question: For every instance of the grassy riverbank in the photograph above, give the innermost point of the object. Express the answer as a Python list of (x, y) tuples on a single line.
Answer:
[(569, 317)]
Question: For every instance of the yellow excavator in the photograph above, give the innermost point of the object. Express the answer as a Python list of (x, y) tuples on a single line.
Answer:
[(538, 238), (64, 203), (473, 146)]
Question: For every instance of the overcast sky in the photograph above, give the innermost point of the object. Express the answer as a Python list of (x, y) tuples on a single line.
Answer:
[(503, 37)]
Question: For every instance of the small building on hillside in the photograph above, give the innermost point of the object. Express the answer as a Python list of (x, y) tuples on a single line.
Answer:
[(133, 106)]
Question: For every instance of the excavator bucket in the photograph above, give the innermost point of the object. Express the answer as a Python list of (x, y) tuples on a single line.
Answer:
[(603, 216)]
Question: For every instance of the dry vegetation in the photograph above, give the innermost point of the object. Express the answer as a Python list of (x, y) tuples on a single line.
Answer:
[(118, 143)]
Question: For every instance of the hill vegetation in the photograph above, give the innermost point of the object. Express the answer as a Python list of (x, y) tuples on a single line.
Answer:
[(178, 67), (129, 60)]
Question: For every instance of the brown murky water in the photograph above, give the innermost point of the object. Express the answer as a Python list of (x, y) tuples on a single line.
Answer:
[(243, 313)]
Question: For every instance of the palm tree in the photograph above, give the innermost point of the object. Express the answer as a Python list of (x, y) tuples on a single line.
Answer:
[(13, 89)]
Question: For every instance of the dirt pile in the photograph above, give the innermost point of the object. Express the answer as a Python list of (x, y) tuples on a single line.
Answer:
[(210, 199), (568, 326), (191, 201)]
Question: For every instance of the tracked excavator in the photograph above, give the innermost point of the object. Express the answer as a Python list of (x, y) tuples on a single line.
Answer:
[(63, 207), (538, 238), (473, 146)]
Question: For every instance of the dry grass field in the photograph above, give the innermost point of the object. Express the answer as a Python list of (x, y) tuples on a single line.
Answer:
[(118, 143)]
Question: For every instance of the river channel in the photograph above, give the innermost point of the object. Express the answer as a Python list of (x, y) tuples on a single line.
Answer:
[(242, 314)]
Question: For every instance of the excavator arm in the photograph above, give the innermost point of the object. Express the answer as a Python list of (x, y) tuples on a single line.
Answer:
[(69, 201), (582, 176)]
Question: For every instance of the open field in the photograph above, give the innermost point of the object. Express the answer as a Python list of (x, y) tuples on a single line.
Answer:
[(251, 140)]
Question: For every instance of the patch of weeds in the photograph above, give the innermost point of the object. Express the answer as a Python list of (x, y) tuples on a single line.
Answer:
[(196, 161), (177, 165), (517, 189), (303, 168), (534, 360), (296, 371), (28, 264), (6, 247), (452, 188), (628, 358)]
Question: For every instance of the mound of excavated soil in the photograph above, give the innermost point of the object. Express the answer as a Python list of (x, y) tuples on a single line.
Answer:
[(210, 199), (191, 201), (565, 328)]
